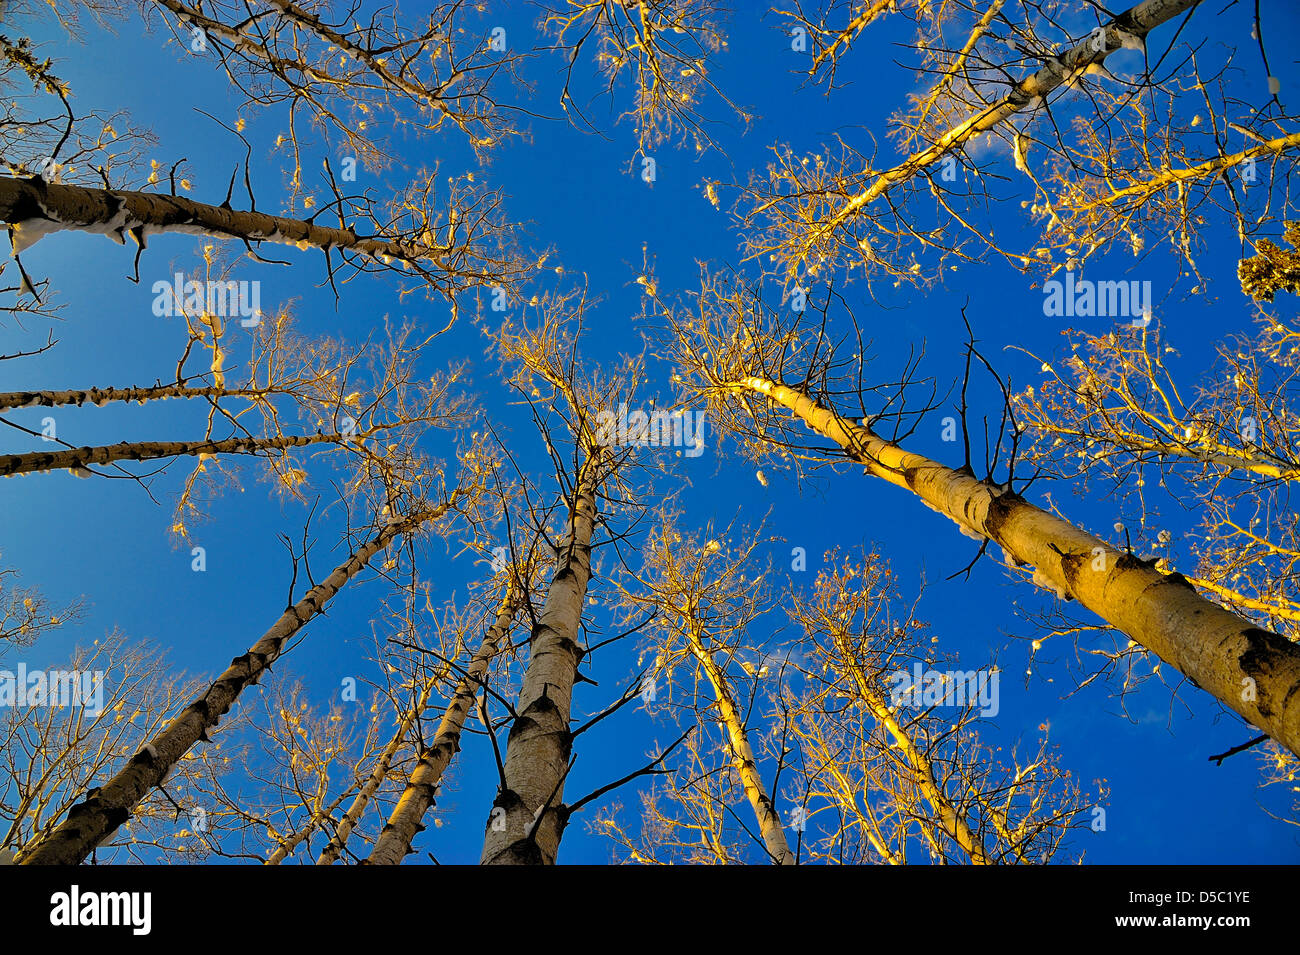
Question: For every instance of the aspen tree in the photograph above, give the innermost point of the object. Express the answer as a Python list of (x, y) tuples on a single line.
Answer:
[(948, 817), (43, 135), (444, 240), (375, 778), (394, 842), (55, 398), (1117, 410), (81, 459), (707, 602), (94, 819), (896, 765), (310, 771), (809, 215), (444, 251), (528, 816), (52, 751), (363, 405), (538, 750), (312, 748), (1252, 671), (869, 774)]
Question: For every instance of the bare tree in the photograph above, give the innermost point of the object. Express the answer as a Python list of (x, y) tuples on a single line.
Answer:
[(93, 819), (706, 598), (665, 49), (55, 749), (870, 774), (1141, 159), (896, 764), (526, 822), (445, 244), (354, 73), (750, 366), (1121, 410), (405, 821)]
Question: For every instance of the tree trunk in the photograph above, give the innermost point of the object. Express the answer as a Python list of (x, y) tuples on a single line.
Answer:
[(93, 820), (9, 400), (525, 824), (1252, 671), (1134, 23), (769, 821), (33, 208), (75, 459), (394, 843)]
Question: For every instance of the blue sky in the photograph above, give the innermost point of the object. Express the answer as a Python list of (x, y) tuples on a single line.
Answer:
[(109, 541)]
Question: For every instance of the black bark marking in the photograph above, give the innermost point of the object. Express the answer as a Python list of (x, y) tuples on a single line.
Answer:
[(526, 852), (1000, 510), (1072, 565), (1129, 562), (1178, 580), (520, 726), (1263, 651)]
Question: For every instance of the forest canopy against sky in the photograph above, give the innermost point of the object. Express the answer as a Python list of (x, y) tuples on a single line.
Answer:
[(649, 431)]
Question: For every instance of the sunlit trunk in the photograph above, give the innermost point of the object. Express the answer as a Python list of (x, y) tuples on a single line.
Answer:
[(78, 459), (378, 773), (1129, 27), (769, 822), (946, 815), (1253, 671), (33, 208)]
